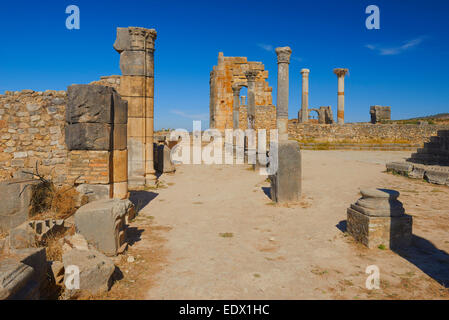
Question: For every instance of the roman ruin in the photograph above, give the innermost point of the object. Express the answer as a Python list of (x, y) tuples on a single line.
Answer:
[(379, 219), (88, 183), (303, 115), (286, 182), (136, 47), (341, 73)]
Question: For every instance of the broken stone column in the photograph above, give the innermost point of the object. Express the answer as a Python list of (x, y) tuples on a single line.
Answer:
[(303, 116), (236, 106), (251, 76), (283, 55), (286, 182), (378, 218), (136, 48), (340, 72)]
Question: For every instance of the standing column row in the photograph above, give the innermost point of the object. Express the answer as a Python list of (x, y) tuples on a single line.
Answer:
[(136, 47)]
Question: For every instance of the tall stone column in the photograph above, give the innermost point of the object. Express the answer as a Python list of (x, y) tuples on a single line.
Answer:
[(251, 78), (136, 47), (236, 106), (340, 72), (303, 116), (286, 182), (283, 54)]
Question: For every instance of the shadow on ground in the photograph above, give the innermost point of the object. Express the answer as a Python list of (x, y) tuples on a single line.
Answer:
[(141, 199), (424, 255), (431, 260), (133, 235)]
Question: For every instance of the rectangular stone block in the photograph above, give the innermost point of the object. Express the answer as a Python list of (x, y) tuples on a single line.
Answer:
[(149, 128), (120, 190), (89, 104), (14, 211), (88, 136), (392, 232), (136, 86), (120, 109), (286, 183), (136, 127), (102, 223), (120, 136), (400, 167), (139, 107), (137, 63), (13, 277), (120, 166)]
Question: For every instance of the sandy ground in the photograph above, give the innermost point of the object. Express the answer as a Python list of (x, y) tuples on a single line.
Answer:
[(213, 233)]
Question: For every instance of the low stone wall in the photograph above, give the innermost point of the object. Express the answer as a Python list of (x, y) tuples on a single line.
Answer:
[(32, 131), (363, 133)]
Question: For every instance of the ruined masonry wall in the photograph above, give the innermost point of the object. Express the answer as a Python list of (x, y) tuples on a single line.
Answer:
[(32, 130), (360, 133)]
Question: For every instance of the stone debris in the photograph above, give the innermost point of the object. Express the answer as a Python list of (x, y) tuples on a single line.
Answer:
[(378, 218), (14, 278), (103, 224), (95, 270)]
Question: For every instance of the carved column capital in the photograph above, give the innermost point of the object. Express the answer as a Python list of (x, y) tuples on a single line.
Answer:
[(251, 75), (341, 72), (284, 54)]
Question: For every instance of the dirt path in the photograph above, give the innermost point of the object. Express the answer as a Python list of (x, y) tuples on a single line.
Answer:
[(225, 239)]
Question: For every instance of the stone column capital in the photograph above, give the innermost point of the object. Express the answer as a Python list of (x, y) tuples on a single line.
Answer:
[(251, 75), (305, 72), (341, 72), (283, 54), (135, 39), (236, 88)]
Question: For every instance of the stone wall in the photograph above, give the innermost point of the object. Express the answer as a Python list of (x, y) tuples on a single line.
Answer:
[(230, 71), (109, 81), (265, 117), (32, 131), (362, 133)]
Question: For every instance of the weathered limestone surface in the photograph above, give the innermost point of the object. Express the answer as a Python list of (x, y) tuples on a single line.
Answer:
[(14, 211), (379, 114), (303, 115), (228, 72), (162, 159), (95, 269), (286, 183), (283, 55), (341, 73), (102, 223), (32, 131), (136, 47), (325, 115), (14, 276), (378, 218)]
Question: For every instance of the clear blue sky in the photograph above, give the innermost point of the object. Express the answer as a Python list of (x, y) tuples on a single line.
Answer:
[(405, 64)]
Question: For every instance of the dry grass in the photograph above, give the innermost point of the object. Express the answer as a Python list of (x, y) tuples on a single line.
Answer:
[(53, 244), (53, 202)]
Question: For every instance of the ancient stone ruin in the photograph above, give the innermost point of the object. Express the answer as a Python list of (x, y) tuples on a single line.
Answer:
[(379, 219), (430, 162), (226, 80), (380, 114)]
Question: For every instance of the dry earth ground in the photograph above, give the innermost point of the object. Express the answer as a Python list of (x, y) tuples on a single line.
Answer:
[(213, 233)]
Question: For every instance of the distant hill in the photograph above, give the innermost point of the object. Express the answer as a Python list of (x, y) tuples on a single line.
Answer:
[(440, 118)]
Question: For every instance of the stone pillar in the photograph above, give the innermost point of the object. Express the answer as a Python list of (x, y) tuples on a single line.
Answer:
[(379, 219), (303, 116), (251, 77), (341, 94), (236, 106), (283, 55), (286, 182), (243, 100), (136, 48)]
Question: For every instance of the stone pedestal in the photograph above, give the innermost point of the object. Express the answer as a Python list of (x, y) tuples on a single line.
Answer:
[(136, 48), (378, 218), (286, 183)]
